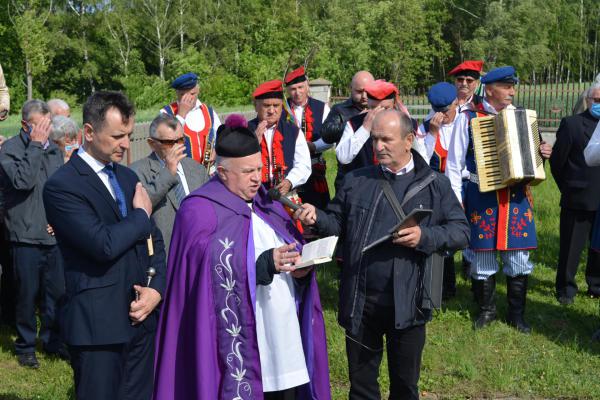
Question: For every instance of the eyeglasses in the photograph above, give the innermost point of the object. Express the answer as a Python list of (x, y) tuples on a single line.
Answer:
[(169, 142), (466, 80), (594, 99)]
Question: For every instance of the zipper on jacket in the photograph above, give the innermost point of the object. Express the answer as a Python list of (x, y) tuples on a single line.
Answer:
[(362, 245)]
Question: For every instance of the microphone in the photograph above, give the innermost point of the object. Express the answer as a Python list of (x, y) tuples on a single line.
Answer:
[(274, 194)]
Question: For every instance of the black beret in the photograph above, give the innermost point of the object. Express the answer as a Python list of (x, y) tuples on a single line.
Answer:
[(236, 142)]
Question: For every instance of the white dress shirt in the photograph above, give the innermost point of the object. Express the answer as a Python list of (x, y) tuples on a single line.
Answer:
[(301, 169), (195, 118), (457, 150), (351, 143), (282, 361), (179, 172), (298, 111), (592, 150), (98, 168), (410, 165)]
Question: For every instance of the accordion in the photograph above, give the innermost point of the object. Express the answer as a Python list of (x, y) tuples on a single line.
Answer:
[(507, 149)]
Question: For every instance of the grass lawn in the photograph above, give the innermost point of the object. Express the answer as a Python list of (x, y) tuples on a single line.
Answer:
[(558, 360)]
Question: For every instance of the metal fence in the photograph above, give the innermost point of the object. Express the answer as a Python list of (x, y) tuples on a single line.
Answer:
[(551, 101)]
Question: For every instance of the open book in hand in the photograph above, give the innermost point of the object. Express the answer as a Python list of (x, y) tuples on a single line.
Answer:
[(318, 252)]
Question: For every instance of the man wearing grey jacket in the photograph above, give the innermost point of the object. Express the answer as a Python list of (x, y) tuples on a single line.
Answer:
[(27, 161), (167, 174)]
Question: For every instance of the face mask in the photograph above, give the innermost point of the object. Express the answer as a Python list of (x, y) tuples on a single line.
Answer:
[(71, 147), (595, 110)]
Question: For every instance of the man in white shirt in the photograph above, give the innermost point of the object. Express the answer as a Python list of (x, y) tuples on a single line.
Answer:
[(308, 114), (167, 174), (200, 121), (284, 152), (501, 221), (466, 79)]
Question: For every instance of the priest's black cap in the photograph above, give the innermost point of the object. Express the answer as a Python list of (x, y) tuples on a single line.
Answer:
[(236, 142)]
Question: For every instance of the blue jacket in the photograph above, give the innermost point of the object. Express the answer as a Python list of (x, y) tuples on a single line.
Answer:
[(104, 253), (351, 214)]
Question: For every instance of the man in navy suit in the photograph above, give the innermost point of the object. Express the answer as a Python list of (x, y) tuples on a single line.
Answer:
[(100, 214)]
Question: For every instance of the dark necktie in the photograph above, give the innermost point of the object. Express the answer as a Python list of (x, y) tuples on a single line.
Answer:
[(114, 183), (179, 191)]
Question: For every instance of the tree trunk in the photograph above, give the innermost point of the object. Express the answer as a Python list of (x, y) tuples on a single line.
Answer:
[(29, 79)]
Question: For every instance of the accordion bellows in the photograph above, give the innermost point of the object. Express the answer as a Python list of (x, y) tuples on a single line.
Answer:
[(507, 149)]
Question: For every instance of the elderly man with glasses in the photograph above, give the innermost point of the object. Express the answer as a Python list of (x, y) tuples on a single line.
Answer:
[(466, 79), (167, 174)]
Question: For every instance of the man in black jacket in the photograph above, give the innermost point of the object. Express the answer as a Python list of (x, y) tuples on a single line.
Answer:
[(579, 185), (383, 291), (333, 127)]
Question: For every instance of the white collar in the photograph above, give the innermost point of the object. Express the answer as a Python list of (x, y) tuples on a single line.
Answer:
[(96, 165), (410, 165)]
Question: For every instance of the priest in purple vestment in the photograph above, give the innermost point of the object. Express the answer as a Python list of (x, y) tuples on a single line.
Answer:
[(238, 320)]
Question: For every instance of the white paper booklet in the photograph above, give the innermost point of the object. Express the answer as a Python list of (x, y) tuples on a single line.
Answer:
[(318, 252)]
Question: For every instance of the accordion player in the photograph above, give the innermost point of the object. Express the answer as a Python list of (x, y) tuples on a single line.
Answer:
[(507, 149)]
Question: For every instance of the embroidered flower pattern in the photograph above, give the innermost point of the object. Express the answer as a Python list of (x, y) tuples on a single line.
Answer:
[(235, 359)]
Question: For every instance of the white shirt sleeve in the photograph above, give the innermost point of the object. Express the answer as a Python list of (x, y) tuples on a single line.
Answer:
[(457, 152), (300, 173), (351, 143), (592, 150), (216, 121), (419, 146), (326, 110)]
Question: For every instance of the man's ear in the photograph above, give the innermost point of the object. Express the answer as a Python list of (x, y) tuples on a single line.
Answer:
[(88, 132)]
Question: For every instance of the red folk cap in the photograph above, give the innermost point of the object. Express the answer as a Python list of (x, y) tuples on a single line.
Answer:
[(469, 65), (269, 89), (296, 76), (381, 90)]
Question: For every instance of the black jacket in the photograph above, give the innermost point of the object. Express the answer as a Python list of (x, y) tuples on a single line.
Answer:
[(333, 127), (579, 184), (26, 168), (351, 214)]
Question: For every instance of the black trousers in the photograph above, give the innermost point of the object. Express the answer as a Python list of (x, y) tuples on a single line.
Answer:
[(365, 350), (116, 372), (38, 272), (287, 394), (575, 233), (8, 296)]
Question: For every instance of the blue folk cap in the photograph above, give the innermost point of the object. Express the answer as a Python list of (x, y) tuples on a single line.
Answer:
[(441, 95), (501, 74), (185, 81)]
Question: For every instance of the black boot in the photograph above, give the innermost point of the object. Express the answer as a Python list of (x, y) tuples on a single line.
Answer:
[(485, 293), (516, 294), (449, 285)]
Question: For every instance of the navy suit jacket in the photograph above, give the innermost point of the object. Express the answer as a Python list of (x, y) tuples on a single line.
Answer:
[(104, 254)]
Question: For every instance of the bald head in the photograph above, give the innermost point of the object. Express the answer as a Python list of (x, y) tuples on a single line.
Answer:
[(392, 138), (394, 121), (359, 81)]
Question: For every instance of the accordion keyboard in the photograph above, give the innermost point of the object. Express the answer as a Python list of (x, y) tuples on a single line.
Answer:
[(486, 154)]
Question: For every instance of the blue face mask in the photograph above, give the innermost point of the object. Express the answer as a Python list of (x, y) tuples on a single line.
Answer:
[(595, 110)]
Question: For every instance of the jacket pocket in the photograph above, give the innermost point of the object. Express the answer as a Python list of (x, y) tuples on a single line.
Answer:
[(78, 282)]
